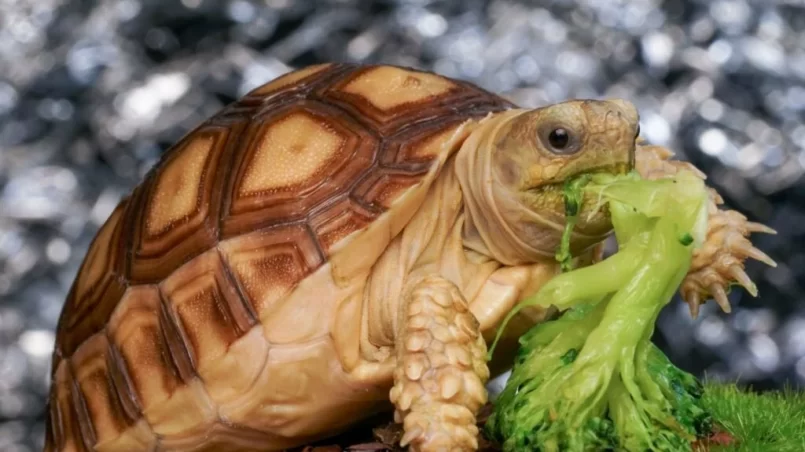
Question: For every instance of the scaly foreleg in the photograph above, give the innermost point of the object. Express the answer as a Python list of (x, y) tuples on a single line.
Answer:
[(441, 369)]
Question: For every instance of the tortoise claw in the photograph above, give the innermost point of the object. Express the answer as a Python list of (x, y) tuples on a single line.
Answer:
[(751, 226), (756, 254), (410, 435), (720, 296), (693, 301), (740, 276)]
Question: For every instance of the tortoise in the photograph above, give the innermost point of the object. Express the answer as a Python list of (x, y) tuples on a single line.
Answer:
[(341, 241)]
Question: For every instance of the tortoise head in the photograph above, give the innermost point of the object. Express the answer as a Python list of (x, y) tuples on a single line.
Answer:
[(514, 166)]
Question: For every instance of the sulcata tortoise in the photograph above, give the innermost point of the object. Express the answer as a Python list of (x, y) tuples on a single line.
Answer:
[(339, 242)]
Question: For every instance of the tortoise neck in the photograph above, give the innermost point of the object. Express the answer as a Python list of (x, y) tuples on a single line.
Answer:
[(493, 211)]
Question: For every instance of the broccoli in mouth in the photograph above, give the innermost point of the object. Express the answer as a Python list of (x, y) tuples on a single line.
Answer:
[(592, 379)]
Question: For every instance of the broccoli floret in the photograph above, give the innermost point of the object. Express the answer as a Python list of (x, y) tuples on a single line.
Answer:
[(592, 380)]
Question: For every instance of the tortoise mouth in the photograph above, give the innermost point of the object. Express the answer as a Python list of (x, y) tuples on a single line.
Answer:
[(593, 225), (558, 185)]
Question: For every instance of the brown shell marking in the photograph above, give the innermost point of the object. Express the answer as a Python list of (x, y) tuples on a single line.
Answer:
[(228, 223)]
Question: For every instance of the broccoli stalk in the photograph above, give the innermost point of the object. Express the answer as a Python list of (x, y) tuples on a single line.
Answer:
[(592, 379)]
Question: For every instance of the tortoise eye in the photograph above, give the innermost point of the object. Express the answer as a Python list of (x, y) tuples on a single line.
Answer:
[(559, 138)]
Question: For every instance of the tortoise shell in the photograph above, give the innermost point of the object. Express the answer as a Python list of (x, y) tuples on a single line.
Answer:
[(233, 217)]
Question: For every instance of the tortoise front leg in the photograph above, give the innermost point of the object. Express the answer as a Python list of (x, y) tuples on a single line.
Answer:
[(719, 263), (441, 369)]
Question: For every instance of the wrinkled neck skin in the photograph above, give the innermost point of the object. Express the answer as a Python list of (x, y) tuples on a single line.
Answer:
[(490, 205), (434, 242)]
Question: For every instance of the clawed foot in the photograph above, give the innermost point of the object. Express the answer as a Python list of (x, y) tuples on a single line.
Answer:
[(441, 370), (719, 263)]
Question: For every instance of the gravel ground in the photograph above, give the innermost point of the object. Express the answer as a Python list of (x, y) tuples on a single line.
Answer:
[(91, 93)]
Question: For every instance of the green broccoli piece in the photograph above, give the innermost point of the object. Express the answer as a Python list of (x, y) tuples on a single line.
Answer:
[(592, 379), (573, 200)]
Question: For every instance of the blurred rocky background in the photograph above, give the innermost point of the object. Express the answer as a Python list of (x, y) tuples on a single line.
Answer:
[(91, 92)]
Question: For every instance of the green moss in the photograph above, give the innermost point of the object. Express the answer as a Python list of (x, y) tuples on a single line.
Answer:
[(759, 421)]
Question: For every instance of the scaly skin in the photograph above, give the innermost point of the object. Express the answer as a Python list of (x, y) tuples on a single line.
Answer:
[(441, 372), (719, 263)]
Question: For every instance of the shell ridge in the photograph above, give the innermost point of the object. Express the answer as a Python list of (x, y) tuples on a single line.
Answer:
[(228, 169), (326, 104), (132, 225), (301, 87), (370, 177), (122, 382), (53, 433), (79, 406), (57, 422), (178, 354), (220, 191), (118, 404), (99, 288), (230, 278), (322, 256)]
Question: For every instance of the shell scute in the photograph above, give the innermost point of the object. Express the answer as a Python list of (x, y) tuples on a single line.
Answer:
[(388, 97), (286, 90), (294, 160), (385, 187), (338, 220), (136, 332), (179, 214), (300, 149), (178, 194), (209, 312), (415, 148), (387, 88), (268, 264)]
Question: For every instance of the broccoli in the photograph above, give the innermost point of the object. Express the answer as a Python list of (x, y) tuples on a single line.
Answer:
[(592, 379)]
